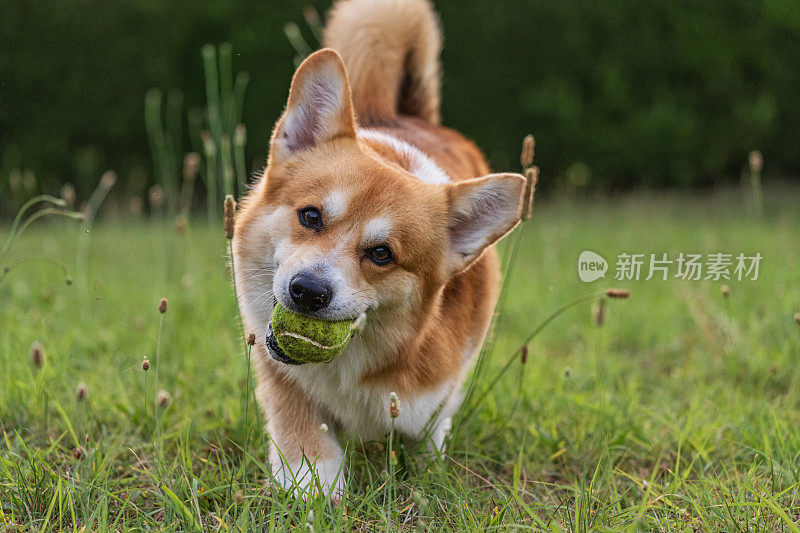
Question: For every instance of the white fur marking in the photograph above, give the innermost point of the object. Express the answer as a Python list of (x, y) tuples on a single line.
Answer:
[(422, 166), (376, 231), (335, 205)]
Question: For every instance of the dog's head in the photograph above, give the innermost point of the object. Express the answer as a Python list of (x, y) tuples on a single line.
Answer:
[(334, 230)]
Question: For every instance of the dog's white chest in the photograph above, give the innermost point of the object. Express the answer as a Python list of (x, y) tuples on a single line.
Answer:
[(361, 410)]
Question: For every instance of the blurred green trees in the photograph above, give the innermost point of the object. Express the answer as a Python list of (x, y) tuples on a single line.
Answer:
[(617, 93)]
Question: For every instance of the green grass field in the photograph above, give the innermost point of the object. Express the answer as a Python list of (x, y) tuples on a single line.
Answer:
[(681, 412)]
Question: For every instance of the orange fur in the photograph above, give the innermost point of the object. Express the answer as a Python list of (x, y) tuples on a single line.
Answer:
[(407, 182), (391, 49)]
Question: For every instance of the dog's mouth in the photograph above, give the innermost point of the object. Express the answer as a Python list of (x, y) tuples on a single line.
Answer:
[(276, 351)]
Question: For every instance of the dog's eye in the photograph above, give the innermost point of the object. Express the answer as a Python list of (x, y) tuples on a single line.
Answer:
[(310, 217), (380, 255)]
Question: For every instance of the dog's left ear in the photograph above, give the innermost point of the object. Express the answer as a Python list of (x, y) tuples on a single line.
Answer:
[(482, 210), (319, 109)]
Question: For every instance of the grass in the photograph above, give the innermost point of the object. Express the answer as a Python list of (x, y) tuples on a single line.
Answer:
[(681, 412)]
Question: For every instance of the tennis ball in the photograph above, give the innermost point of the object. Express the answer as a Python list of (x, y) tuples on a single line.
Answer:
[(308, 340)]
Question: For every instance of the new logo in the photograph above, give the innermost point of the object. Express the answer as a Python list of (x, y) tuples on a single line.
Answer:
[(591, 266)]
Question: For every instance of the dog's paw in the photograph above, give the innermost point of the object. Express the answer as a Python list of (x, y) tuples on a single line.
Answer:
[(438, 437), (312, 479)]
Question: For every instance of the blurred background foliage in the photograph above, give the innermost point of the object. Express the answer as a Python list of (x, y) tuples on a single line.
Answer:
[(619, 94)]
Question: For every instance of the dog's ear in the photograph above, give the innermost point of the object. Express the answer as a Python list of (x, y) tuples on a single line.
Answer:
[(319, 107), (482, 210)]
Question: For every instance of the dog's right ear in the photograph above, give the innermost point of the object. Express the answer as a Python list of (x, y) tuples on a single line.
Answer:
[(482, 210), (319, 109)]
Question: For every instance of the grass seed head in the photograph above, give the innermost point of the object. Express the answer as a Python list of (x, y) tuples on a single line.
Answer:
[(531, 179), (524, 354), (37, 355), (208, 144), (312, 17), (526, 157), (240, 135), (68, 195), (162, 306), (81, 391), (251, 339), (135, 205), (599, 315), (230, 215), (29, 180), (156, 197), (726, 291), (180, 224), (191, 166), (394, 405), (14, 179), (78, 452), (108, 179), (146, 364), (618, 293), (756, 161), (163, 399), (419, 498)]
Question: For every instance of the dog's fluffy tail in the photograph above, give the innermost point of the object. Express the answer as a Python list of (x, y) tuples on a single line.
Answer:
[(391, 51)]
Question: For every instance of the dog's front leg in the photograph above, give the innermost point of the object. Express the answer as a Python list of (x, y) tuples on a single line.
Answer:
[(303, 456)]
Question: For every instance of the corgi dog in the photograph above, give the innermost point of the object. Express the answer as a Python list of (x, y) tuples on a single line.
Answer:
[(369, 205)]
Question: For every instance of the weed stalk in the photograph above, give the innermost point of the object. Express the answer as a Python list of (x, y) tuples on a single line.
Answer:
[(210, 151), (611, 293), (227, 165), (107, 181), (18, 226), (394, 412), (162, 309), (756, 162), (531, 175), (239, 142), (229, 210), (295, 37)]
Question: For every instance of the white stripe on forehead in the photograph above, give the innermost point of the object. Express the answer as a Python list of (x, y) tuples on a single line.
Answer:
[(422, 166), (335, 205), (376, 231)]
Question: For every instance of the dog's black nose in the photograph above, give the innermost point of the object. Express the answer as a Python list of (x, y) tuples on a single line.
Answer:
[(309, 292)]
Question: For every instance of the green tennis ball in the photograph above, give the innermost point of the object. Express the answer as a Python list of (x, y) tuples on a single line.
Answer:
[(308, 340)]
